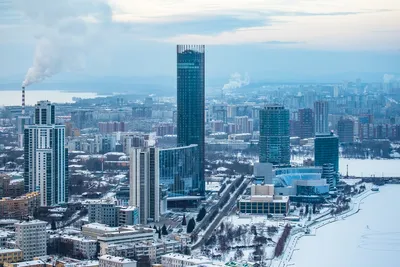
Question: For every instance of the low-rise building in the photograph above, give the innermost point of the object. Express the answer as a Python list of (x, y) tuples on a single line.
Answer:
[(34, 263), (111, 261), (263, 201), (180, 260), (10, 255), (81, 245), (20, 207), (107, 236), (154, 250)]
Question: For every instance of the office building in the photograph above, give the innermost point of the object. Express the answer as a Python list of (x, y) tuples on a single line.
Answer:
[(306, 123), (19, 207), (104, 212), (108, 213), (111, 261), (345, 130), (328, 173), (31, 238), (179, 170), (144, 183), (274, 135), (263, 201), (128, 216), (321, 111), (46, 158), (263, 173), (191, 101), (326, 150)]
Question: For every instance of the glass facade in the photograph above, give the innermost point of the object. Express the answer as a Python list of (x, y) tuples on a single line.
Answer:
[(191, 102), (274, 135), (179, 170), (263, 207), (327, 150)]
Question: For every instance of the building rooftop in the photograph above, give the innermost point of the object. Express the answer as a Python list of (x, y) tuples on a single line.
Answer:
[(115, 259), (194, 260), (30, 222)]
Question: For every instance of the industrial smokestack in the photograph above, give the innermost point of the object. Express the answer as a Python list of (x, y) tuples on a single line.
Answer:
[(23, 100)]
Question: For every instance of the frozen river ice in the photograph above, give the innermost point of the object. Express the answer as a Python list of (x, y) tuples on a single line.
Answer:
[(369, 238)]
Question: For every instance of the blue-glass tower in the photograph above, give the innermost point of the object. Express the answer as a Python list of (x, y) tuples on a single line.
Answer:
[(190, 101)]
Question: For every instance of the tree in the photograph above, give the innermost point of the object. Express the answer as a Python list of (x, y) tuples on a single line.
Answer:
[(159, 234), (164, 230), (191, 225), (53, 225), (238, 254), (222, 227), (314, 208), (184, 220), (272, 230), (201, 215), (307, 209), (253, 230)]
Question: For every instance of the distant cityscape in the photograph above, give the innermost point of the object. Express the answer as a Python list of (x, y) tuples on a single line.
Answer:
[(188, 180)]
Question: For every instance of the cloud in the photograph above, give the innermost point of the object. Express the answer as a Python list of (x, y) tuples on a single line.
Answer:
[(281, 43)]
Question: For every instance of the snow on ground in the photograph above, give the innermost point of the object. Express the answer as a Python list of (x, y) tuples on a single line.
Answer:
[(213, 186)]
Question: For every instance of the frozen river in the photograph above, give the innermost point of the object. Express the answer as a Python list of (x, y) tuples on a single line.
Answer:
[(368, 167), (369, 238)]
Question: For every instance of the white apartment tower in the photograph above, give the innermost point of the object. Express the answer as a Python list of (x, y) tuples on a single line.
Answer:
[(31, 238), (321, 110), (145, 183), (46, 158)]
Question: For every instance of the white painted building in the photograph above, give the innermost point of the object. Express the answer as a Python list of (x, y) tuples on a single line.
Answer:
[(111, 261), (31, 238), (181, 260)]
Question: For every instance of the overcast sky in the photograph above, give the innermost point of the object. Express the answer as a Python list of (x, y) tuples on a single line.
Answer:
[(264, 38)]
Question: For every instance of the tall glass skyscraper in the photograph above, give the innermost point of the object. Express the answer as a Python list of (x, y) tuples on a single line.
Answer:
[(179, 170), (191, 102), (46, 158), (274, 135)]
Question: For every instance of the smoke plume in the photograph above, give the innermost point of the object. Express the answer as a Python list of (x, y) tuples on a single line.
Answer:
[(65, 30), (236, 81)]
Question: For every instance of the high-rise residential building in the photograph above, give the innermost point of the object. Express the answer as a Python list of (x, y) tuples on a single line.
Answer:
[(326, 150), (144, 183), (321, 111), (82, 118), (242, 124), (345, 130), (306, 123), (103, 211), (31, 238), (191, 101), (274, 135), (46, 158)]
